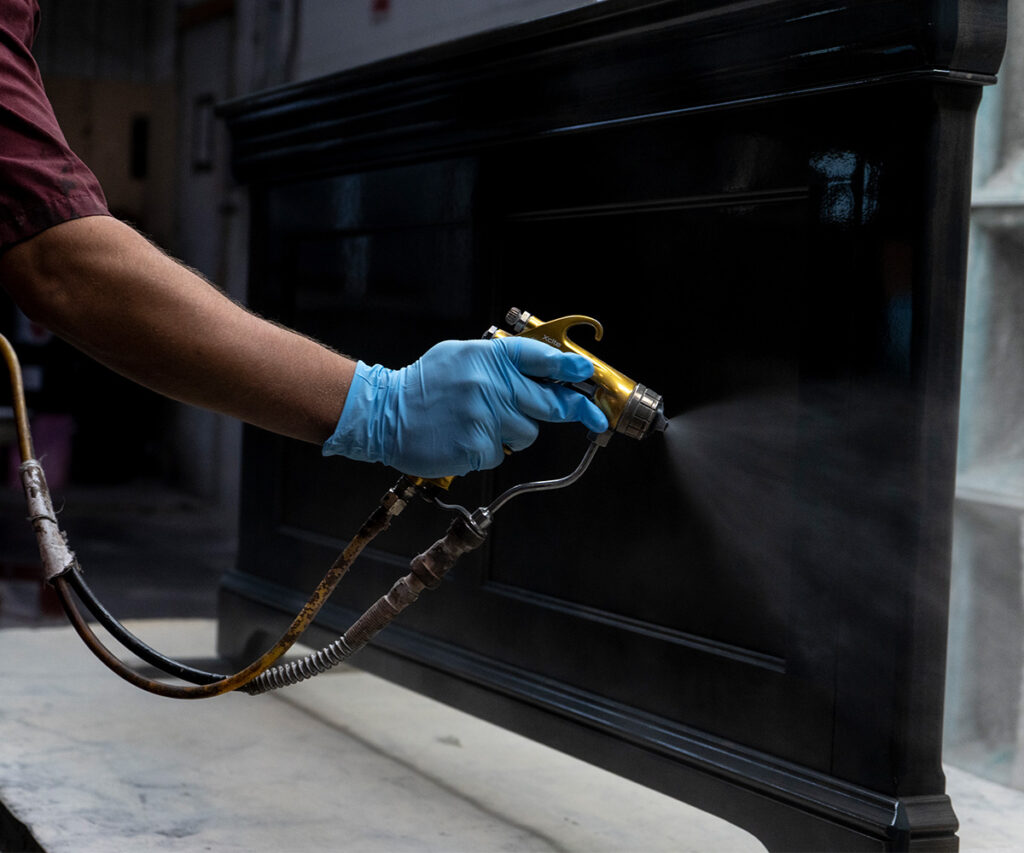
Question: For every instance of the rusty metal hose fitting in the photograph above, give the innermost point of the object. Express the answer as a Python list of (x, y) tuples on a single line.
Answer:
[(426, 571)]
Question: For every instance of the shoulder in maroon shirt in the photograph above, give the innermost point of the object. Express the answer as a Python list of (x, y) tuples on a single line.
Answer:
[(42, 181)]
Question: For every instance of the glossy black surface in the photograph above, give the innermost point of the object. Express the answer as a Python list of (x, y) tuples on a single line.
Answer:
[(766, 206)]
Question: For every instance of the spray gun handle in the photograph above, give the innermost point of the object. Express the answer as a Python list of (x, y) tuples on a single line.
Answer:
[(554, 334), (608, 388), (631, 408)]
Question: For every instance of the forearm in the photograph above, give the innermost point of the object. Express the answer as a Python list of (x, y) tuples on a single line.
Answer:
[(104, 288)]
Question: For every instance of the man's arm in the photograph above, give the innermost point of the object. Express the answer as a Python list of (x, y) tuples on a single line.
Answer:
[(104, 288), (107, 290)]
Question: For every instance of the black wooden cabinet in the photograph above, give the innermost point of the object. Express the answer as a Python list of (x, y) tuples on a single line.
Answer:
[(766, 205)]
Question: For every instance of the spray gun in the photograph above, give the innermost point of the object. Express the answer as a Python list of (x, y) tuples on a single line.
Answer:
[(631, 408)]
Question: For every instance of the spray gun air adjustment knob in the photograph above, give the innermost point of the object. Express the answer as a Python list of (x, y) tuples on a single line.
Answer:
[(517, 319)]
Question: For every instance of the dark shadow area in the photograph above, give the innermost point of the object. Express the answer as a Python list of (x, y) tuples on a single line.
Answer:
[(14, 835)]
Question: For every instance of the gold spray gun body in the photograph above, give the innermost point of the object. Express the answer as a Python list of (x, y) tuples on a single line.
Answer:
[(631, 408)]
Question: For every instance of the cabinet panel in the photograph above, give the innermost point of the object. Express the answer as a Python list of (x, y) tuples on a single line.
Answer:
[(766, 208)]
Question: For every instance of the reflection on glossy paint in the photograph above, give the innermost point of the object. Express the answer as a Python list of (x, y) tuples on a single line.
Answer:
[(899, 317), (897, 273), (850, 194)]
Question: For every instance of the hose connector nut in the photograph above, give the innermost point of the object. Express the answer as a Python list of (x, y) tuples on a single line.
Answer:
[(517, 319)]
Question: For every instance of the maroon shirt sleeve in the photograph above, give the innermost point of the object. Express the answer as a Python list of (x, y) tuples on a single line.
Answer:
[(42, 182)]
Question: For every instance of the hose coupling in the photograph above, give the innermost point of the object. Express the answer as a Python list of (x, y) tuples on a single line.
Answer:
[(56, 557), (430, 567), (398, 496)]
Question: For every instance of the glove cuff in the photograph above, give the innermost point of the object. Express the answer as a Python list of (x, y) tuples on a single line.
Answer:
[(365, 430)]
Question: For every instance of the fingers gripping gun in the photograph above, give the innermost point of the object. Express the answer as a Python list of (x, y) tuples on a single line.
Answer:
[(631, 408)]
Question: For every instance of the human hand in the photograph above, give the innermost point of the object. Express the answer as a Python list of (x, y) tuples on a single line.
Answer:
[(455, 409)]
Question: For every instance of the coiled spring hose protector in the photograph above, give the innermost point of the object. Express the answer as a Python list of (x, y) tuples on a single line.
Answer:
[(427, 570)]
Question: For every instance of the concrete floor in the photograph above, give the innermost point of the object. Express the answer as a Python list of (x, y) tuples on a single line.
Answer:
[(91, 764), (88, 763)]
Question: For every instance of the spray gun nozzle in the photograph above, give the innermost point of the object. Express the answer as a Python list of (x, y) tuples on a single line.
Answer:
[(643, 413)]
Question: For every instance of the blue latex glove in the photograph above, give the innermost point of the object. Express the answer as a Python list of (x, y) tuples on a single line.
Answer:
[(454, 409)]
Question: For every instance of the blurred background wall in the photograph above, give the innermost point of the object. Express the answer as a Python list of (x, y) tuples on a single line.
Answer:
[(984, 720)]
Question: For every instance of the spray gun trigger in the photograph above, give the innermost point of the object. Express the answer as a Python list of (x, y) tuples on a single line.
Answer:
[(588, 388)]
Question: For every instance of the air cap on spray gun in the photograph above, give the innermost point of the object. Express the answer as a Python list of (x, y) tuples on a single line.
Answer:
[(632, 409)]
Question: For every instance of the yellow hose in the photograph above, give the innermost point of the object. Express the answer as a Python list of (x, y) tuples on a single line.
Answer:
[(18, 390)]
